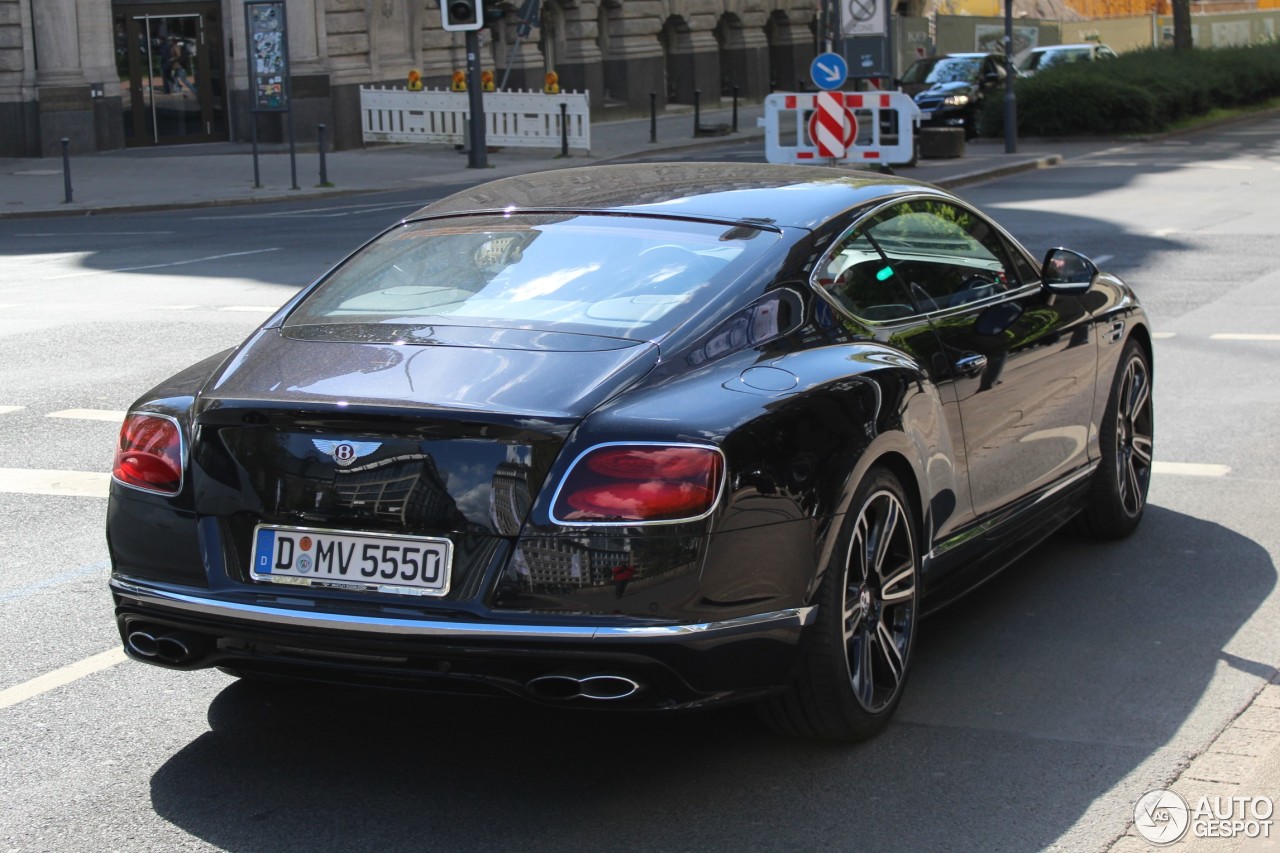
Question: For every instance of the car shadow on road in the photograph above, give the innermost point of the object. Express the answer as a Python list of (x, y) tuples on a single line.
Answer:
[(1030, 700)]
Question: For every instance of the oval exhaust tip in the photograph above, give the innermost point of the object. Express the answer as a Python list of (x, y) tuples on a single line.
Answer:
[(607, 687), (143, 644), (554, 687), (172, 649)]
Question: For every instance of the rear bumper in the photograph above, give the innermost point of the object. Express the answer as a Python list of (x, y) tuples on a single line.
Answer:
[(676, 665)]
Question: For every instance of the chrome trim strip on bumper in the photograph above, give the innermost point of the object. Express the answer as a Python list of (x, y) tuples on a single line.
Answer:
[(796, 617)]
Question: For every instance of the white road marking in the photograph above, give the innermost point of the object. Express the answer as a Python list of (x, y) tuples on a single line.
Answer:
[(1190, 469), (89, 415), (52, 257), (37, 481), (1164, 232), (1225, 336), (1164, 336), (173, 307), (8, 305), (247, 308), (1233, 167), (1102, 259), (1107, 151), (60, 677), (170, 264), (8, 410)]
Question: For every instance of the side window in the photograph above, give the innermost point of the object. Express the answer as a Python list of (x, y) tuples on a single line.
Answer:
[(1027, 272), (944, 255), (858, 277)]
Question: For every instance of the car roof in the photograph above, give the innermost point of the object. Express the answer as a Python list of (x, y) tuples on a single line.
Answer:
[(750, 193), (1048, 47)]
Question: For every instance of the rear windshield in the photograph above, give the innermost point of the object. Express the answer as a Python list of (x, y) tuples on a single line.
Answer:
[(946, 69), (620, 276), (1058, 56)]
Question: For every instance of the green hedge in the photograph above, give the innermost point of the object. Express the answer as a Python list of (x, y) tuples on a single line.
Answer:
[(1141, 92)]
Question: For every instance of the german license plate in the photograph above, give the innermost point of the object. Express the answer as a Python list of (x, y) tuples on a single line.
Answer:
[(371, 562), (926, 115)]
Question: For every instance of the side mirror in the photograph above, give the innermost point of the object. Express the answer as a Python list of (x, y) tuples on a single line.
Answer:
[(1066, 271)]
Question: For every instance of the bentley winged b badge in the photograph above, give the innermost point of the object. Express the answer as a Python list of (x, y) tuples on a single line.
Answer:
[(345, 452)]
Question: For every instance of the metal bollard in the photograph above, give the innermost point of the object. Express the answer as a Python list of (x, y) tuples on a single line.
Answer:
[(66, 170), (735, 109), (697, 111), (324, 173), (564, 130), (653, 116)]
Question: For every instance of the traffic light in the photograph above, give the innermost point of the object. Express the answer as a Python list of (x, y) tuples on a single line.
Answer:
[(461, 15)]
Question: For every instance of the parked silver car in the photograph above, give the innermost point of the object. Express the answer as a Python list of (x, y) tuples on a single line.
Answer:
[(1041, 58)]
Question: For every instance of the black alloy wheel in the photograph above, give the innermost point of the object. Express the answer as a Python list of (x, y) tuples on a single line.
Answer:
[(1119, 493), (856, 656)]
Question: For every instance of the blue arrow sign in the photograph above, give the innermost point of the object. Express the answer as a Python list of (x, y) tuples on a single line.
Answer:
[(829, 71)]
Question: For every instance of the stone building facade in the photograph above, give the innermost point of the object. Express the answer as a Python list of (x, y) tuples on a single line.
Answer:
[(108, 74)]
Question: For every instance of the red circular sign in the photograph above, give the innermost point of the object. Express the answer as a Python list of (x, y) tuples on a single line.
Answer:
[(850, 128)]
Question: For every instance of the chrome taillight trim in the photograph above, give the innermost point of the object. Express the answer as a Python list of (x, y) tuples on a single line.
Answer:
[(715, 501), (182, 455)]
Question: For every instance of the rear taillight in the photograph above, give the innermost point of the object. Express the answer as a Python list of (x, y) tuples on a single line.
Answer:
[(149, 455), (639, 483)]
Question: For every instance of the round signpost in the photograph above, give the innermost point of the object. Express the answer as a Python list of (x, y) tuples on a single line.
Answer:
[(828, 70)]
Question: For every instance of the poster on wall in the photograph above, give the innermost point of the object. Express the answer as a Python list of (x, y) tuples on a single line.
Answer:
[(989, 38), (268, 55)]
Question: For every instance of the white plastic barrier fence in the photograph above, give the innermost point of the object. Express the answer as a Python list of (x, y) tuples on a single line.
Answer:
[(511, 119), (839, 127)]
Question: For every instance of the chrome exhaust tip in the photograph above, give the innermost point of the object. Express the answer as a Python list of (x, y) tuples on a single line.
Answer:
[(143, 644), (602, 688), (171, 647)]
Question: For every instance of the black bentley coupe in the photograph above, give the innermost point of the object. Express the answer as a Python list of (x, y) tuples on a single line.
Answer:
[(653, 436)]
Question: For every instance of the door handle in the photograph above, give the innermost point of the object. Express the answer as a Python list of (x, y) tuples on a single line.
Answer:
[(971, 365)]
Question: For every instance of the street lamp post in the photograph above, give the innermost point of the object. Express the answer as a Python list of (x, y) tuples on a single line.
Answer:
[(1010, 99)]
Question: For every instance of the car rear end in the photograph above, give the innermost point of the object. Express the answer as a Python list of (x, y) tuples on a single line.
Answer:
[(394, 484)]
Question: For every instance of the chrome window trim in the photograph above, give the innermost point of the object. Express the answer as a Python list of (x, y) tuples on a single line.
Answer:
[(133, 591), (724, 472), (182, 455), (1011, 245)]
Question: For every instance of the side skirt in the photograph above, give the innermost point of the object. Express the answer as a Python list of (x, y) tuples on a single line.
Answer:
[(974, 555)]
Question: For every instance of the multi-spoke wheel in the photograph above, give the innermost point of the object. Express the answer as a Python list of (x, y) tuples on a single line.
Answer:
[(857, 655), (1119, 492)]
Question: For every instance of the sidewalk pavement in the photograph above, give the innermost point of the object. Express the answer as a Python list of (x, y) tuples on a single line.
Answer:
[(177, 176)]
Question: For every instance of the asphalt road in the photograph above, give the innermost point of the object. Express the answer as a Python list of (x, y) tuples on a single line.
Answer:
[(1039, 710)]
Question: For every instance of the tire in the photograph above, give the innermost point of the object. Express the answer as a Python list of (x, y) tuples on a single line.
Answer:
[(854, 660), (1118, 495)]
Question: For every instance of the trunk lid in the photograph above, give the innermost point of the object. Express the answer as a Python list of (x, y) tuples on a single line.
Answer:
[(441, 440)]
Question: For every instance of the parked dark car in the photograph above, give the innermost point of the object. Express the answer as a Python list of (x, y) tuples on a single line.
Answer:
[(949, 89), (653, 437)]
